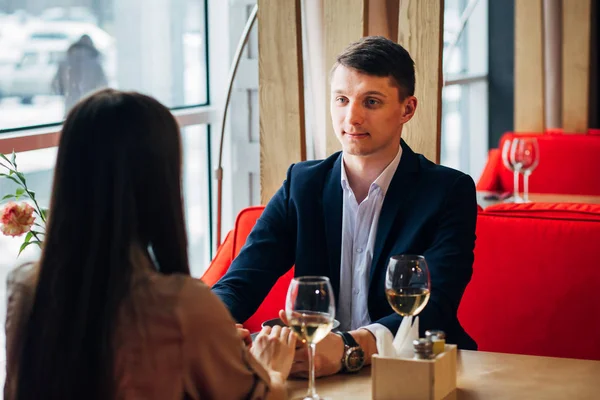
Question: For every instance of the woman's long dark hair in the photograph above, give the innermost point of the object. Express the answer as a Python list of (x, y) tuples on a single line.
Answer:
[(117, 184)]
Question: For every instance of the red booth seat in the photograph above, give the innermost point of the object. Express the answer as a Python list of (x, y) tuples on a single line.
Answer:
[(537, 267), (569, 164), (535, 277), (230, 248)]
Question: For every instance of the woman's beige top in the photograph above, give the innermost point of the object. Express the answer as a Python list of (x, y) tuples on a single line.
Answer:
[(174, 338)]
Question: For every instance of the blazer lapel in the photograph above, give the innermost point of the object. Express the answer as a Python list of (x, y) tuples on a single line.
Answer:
[(332, 215), (401, 188)]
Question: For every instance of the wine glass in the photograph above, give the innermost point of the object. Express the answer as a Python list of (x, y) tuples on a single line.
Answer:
[(526, 153), (509, 163), (310, 310), (407, 284)]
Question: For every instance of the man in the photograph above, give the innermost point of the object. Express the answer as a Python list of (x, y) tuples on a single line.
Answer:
[(344, 216)]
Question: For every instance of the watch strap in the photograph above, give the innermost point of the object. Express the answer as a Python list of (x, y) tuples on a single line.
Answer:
[(348, 339)]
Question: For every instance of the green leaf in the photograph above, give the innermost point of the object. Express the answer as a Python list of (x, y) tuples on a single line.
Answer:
[(31, 194), (44, 214), (4, 158), (8, 196), (14, 159), (5, 166), (20, 192), (12, 178), (27, 244), (28, 237), (22, 177)]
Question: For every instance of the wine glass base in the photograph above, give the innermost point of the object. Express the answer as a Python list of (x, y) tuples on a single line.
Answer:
[(516, 200), (316, 397)]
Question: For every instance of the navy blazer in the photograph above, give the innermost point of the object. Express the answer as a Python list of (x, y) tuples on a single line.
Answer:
[(428, 209)]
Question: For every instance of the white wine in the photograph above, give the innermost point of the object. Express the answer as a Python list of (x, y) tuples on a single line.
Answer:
[(408, 301), (311, 327)]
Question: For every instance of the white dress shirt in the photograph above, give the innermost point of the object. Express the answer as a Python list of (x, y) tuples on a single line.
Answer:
[(359, 230)]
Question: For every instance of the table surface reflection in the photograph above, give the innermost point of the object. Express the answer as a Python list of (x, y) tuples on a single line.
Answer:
[(483, 375), (486, 199)]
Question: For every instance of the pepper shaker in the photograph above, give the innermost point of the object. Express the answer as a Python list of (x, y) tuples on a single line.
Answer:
[(438, 338)]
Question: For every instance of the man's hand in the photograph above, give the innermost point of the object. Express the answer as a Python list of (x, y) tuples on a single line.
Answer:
[(329, 352), (328, 358)]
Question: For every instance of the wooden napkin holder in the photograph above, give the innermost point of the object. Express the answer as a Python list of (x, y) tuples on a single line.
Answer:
[(403, 379)]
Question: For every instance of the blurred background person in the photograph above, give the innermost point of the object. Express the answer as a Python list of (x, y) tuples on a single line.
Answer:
[(79, 73)]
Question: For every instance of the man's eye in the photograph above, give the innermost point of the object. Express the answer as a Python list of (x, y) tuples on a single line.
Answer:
[(373, 102), (340, 100)]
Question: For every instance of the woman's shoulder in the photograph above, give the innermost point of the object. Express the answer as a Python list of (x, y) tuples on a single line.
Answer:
[(23, 275), (197, 302)]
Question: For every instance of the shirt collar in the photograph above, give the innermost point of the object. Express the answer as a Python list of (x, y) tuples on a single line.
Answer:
[(383, 180)]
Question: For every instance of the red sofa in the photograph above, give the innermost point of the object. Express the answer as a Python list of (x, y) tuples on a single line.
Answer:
[(536, 271), (230, 248), (569, 164)]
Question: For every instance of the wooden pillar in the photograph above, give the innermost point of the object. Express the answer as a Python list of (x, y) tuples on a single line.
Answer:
[(576, 20), (345, 22), (383, 18), (420, 31), (529, 67), (281, 92)]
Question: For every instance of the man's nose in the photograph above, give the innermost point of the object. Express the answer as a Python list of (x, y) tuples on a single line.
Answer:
[(355, 114)]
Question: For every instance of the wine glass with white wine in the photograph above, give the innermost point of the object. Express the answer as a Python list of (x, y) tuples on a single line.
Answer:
[(310, 310), (407, 284)]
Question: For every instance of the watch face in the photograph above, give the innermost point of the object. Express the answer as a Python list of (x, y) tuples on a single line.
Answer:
[(355, 358)]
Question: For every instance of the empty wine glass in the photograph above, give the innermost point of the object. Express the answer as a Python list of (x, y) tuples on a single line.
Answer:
[(509, 163), (407, 284), (310, 309), (526, 153)]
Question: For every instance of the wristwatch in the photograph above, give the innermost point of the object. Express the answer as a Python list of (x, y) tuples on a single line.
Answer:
[(353, 358)]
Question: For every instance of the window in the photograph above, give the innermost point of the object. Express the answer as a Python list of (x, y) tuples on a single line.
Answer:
[(45, 47), (159, 49), (464, 96)]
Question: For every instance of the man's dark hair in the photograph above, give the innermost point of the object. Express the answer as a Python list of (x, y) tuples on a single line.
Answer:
[(379, 56)]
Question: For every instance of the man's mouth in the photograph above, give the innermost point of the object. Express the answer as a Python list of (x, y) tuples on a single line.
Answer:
[(357, 135)]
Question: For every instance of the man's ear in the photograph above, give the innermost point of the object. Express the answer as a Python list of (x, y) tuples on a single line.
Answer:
[(410, 106)]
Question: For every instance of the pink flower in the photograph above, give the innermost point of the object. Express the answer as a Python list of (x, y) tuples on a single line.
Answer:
[(16, 219)]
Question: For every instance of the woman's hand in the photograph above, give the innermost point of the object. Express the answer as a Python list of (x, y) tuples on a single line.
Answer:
[(274, 348), (244, 334)]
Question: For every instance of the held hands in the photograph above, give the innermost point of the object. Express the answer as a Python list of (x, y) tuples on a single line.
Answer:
[(244, 334), (274, 348), (328, 359)]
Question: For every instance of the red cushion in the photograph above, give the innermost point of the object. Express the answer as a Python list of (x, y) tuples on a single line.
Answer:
[(534, 281), (230, 248), (568, 164), (220, 264), (490, 177)]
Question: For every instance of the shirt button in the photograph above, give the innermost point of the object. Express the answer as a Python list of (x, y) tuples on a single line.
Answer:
[(359, 250), (355, 291)]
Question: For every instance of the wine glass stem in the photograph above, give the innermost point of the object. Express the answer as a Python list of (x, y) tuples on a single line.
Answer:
[(526, 186), (311, 370), (516, 185)]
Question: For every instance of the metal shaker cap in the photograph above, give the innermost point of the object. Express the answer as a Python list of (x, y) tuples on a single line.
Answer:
[(423, 346), (435, 334)]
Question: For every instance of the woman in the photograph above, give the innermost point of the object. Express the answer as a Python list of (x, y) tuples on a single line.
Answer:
[(110, 311)]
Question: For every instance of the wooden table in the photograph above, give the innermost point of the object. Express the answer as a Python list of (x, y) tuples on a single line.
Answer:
[(541, 198), (483, 375)]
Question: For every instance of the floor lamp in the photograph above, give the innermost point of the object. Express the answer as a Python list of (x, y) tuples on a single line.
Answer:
[(232, 72)]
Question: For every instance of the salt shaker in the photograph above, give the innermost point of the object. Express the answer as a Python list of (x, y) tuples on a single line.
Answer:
[(423, 349)]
